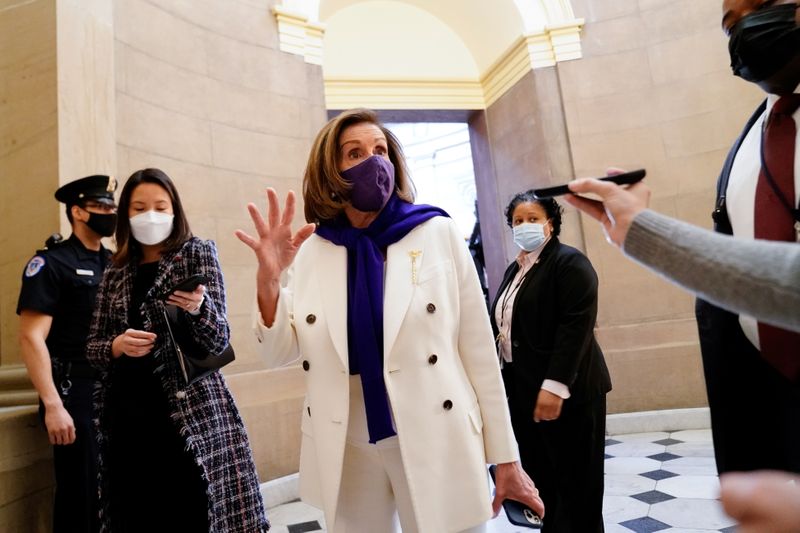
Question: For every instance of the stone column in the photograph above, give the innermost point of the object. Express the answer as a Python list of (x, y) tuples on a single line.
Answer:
[(28, 149), (520, 142), (57, 103)]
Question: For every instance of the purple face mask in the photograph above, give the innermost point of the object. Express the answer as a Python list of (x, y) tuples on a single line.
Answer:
[(372, 183)]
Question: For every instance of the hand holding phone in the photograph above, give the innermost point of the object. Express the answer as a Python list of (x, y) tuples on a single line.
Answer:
[(626, 178), (189, 284), (518, 513), (612, 206), (192, 302)]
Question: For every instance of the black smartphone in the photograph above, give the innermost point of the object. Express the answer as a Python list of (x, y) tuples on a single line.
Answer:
[(518, 513), (189, 284), (620, 179)]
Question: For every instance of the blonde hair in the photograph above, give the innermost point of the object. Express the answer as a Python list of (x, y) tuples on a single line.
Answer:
[(325, 192)]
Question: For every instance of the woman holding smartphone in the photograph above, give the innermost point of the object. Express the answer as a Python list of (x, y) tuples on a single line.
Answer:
[(184, 447)]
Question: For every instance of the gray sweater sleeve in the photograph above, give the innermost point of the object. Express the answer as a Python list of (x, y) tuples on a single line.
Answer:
[(753, 277)]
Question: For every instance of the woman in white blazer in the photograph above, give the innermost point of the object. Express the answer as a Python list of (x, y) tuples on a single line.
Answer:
[(405, 403)]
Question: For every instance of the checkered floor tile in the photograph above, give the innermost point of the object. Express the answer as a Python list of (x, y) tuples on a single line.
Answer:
[(664, 482)]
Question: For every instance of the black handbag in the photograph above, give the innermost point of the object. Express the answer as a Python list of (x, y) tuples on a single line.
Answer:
[(195, 362)]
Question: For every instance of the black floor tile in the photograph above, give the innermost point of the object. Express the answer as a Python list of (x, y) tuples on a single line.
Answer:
[(652, 496), (667, 442), (666, 456), (611, 442), (645, 525), (731, 529), (658, 475), (303, 527), (606, 456)]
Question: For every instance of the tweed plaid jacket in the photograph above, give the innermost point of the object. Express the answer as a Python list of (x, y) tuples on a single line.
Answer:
[(204, 412)]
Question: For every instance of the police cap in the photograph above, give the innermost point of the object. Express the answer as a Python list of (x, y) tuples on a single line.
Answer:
[(99, 188)]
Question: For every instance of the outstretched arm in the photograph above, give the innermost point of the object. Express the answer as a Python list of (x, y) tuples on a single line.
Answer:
[(755, 277)]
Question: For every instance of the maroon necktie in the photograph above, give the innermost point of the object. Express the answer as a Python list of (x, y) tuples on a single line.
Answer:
[(774, 220)]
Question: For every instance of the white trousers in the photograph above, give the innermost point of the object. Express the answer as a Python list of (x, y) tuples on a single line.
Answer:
[(374, 495)]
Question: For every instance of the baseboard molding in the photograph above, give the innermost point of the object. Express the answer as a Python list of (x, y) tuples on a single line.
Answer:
[(662, 420), (281, 490)]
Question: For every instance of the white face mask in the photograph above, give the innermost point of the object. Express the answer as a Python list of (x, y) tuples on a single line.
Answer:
[(529, 236), (151, 227)]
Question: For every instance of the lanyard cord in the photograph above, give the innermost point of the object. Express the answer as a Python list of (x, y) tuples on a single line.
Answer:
[(507, 297), (786, 203)]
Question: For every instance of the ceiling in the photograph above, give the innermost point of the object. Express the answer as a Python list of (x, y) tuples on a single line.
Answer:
[(422, 39)]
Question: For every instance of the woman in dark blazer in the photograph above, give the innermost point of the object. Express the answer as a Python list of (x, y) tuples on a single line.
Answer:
[(173, 457), (555, 374)]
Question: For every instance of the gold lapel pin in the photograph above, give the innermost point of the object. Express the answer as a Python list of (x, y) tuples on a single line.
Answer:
[(413, 254)]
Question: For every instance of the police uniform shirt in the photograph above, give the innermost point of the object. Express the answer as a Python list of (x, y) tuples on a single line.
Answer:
[(62, 282)]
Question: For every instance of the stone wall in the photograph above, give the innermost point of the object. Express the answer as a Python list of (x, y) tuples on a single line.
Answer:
[(203, 93), (198, 89), (653, 90)]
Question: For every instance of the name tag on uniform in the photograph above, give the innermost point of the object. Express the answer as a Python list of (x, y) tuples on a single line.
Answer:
[(82, 272)]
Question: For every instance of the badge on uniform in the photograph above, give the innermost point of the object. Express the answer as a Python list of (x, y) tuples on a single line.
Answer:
[(34, 266)]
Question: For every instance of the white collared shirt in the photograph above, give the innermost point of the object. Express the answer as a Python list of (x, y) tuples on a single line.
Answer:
[(741, 192), (504, 311)]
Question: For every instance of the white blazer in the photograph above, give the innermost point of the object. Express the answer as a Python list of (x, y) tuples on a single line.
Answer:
[(440, 368)]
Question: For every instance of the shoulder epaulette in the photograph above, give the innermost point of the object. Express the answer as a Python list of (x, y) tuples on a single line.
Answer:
[(52, 241)]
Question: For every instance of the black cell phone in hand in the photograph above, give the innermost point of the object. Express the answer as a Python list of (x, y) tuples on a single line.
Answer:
[(189, 284), (627, 178), (518, 513)]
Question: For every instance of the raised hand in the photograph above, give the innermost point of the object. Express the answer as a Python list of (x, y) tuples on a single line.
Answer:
[(275, 246)]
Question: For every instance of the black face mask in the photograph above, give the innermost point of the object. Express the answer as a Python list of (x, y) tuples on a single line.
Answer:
[(763, 42), (103, 225)]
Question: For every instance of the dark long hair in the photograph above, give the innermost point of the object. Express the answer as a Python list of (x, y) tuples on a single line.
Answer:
[(128, 248)]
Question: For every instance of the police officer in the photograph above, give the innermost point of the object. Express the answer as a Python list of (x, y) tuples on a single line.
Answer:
[(55, 308)]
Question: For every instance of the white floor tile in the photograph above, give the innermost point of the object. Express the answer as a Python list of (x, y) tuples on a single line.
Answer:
[(630, 465), (692, 466), (703, 487), (691, 514), (627, 484), (618, 509), (692, 449), (635, 448)]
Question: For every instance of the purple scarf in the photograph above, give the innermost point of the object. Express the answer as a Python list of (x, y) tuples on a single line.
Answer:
[(365, 249)]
